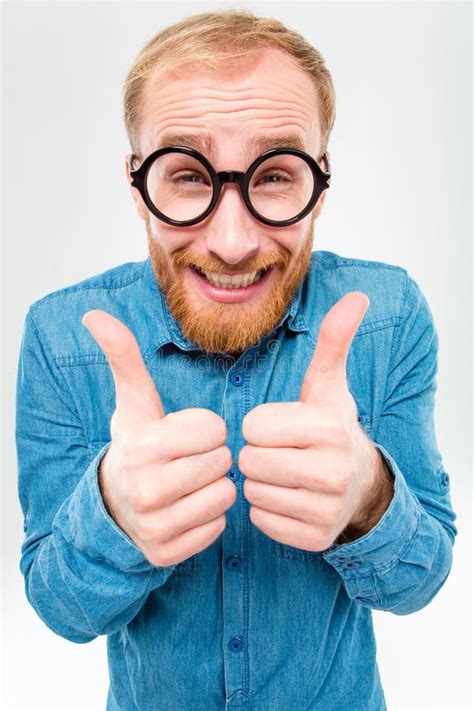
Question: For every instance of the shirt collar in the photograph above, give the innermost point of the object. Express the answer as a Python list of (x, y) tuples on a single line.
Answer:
[(167, 329)]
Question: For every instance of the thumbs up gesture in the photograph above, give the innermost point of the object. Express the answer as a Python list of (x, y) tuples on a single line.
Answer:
[(310, 468), (162, 478)]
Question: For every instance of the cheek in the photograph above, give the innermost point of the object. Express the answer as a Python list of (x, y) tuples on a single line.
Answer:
[(292, 240), (298, 240), (168, 239)]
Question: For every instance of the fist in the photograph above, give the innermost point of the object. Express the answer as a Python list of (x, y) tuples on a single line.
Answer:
[(309, 466), (162, 479)]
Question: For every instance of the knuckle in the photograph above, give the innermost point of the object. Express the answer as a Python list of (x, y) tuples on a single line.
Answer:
[(247, 489), (211, 509), (309, 479), (213, 423), (340, 482), (258, 495), (146, 532), (204, 503), (153, 530), (210, 423), (162, 530), (333, 511), (324, 542), (224, 457), (139, 500), (138, 448), (251, 492), (201, 462), (229, 458), (226, 495), (222, 499), (246, 457), (337, 433), (218, 427), (320, 540), (217, 525), (161, 559), (222, 521), (144, 497), (230, 492), (255, 516)]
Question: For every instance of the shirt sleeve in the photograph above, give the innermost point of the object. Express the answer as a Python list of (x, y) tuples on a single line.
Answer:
[(405, 559), (83, 575)]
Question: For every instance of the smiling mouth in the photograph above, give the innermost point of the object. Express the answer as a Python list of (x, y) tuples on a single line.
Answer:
[(226, 281)]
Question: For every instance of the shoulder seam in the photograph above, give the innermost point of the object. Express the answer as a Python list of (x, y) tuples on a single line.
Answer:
[(336, 261), (75, 289), (401, 319), (368, 265), (52, 359)]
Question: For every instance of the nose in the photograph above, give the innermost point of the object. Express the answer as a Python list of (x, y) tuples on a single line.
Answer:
[(232, 232)]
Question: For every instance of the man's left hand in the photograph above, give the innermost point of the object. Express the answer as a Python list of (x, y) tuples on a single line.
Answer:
[(311, 471)]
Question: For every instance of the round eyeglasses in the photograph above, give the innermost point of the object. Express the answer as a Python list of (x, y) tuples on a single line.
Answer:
[(181, 187)]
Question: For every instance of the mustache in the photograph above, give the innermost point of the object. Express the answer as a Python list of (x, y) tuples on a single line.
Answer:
[(274, 258)]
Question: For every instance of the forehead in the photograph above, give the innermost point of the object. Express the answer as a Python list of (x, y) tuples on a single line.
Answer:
[(258, 102)]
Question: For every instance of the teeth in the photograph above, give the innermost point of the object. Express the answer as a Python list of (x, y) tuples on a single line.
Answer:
[(232, 282)]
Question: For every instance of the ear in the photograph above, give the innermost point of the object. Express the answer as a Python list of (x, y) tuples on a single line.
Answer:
[(317, 209), (140, 206), (319, 205)]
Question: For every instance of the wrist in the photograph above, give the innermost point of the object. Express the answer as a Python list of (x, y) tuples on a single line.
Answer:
[(102, 483), (376, 501)]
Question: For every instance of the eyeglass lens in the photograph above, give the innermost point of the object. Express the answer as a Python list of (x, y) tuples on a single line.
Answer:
[(181, 187)]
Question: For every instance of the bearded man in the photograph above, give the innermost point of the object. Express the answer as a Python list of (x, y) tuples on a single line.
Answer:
[(227, 455)]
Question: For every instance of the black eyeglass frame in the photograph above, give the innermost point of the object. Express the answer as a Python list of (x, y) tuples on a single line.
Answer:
[(321, 183)]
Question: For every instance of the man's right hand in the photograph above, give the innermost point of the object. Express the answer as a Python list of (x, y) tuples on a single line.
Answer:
[(163, 477)]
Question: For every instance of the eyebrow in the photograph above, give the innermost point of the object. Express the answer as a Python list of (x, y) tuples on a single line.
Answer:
[(206, 143)]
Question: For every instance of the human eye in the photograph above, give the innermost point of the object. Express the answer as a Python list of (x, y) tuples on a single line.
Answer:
[(275, 177), (189, 179), (180, 172), (272, 179)]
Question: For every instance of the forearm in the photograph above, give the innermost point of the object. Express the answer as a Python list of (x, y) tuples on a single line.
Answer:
[(86, 579), (401, 563)]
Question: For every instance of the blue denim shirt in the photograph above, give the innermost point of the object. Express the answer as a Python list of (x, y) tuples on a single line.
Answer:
[(248, 622)]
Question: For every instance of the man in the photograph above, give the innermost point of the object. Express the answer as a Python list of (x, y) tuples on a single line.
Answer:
[(234, 461)]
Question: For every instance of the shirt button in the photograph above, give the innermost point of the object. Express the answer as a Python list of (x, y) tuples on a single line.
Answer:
[(234, 562), (237, 378), (232, 474), (236, 644), (351, 564), (445, 479)]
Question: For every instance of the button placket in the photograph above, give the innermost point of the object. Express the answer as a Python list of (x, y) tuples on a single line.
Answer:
[(234, 568)]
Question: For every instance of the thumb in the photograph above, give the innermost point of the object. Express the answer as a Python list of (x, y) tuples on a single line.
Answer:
[(327, 369), (135, 391)]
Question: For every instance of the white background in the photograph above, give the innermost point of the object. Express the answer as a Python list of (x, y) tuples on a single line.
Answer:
[(401, 155)]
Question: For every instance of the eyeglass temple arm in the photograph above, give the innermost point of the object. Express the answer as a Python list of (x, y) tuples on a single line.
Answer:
[(326, 160), (132, 160)]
